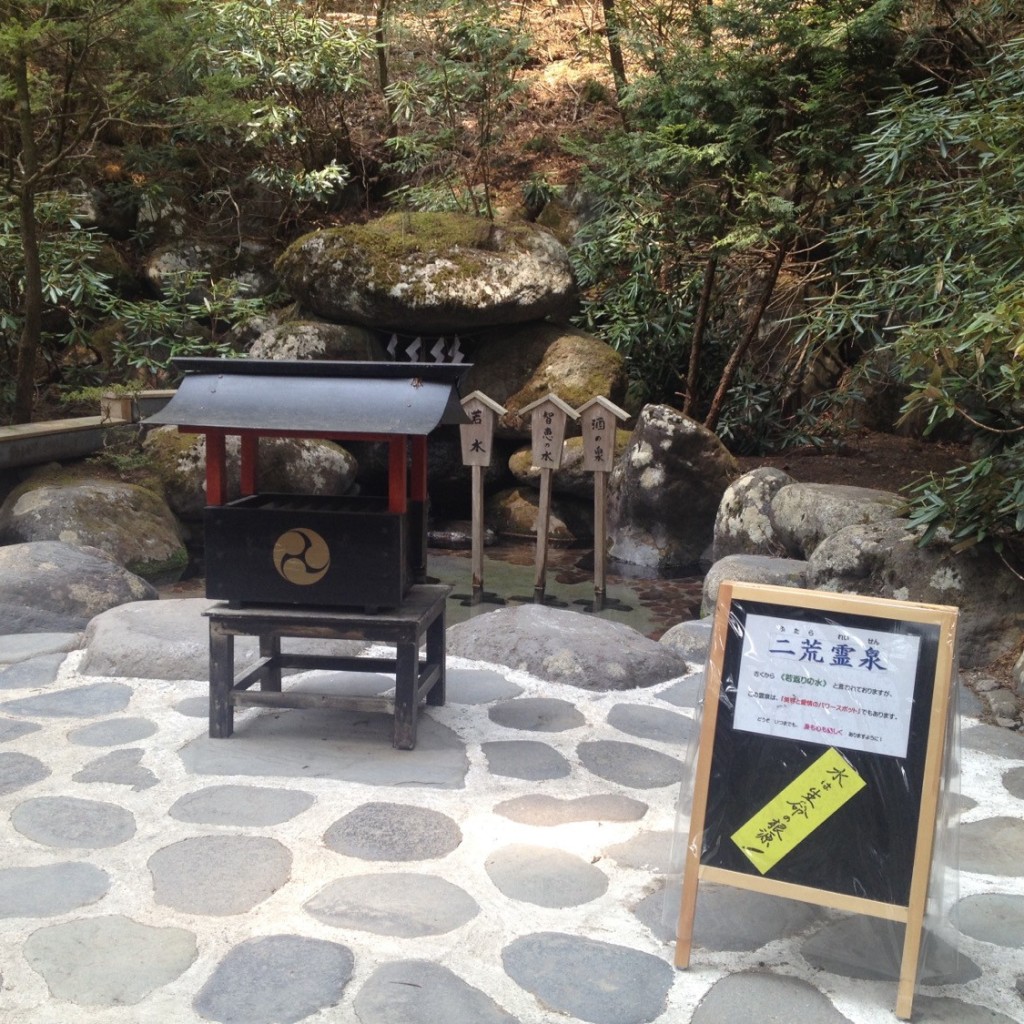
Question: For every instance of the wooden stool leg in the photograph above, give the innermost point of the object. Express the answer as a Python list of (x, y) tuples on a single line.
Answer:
[(270, 677), (435, 656), (222, 678), (406, 684)]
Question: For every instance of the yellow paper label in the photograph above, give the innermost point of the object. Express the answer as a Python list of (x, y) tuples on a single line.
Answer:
[(807, 802)]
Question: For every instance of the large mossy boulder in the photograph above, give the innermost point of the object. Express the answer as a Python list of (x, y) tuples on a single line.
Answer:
[(430, 273), (519, 365), (316, 339), (131, 525)]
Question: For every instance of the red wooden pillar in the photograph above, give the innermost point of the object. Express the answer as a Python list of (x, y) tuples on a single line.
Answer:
[(249, 463), (216, 468), (397, 489)]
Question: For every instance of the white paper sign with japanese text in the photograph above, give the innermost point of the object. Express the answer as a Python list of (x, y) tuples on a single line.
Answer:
[(849, 688)]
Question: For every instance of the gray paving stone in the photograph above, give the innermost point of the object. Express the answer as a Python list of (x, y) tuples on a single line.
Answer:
[(629, 764), (944, 1010), (120, 767), (560, 972), (732, 920), (20, 770), (219, 875), (647, 851), (524, 759), (651, 723), (478, 686), (68, 822), (550, 810), (401, 904), (685, 692), (767, 998), (89, 701), (420, 992), (545, 877), (871, 949), (51, 889), (12, 730), (342, 684), (393, 832), (340, 745), (1013, 780), (993, 846), (194, 707), (16, 647), (113, 732), (275, 979), (537, 714), (252, 806), (995, 917), (992, 739), (659, 911), (108, 961), (38, 671)]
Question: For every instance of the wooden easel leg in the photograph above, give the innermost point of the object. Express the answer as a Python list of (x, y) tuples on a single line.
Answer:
[(908, 965)]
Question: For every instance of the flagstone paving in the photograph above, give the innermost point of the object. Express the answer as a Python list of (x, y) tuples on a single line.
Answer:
[(515, 867)]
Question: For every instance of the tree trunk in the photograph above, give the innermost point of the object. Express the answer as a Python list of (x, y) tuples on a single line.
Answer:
[(611, 28), (31, 333), (698, 335), (383, 70), (733, 365)]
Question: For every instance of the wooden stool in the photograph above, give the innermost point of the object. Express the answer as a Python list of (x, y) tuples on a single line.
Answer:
[(421, 613)]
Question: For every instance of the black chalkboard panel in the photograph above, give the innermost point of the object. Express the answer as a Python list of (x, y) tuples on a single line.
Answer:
[(866, 848)]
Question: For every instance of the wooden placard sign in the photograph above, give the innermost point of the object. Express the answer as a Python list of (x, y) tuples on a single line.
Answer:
[(599, 419), (820, 760), (548, 416)]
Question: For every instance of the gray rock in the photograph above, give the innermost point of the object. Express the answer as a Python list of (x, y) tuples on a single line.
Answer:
[(872, 950), (275, 979), (629, 764), (544, 877), (806, 514), (12, 730), (250, 806), (551, 810), (285, 465), (782, 998), (516, 366), (347, 746), (780, 572), (69, 823), (50, 890), (992, 917), (76, 702), (183, 265), (686, 693), (733, 919), (130, 525), (45, 583), (393, 832), (218, 875), (744, 524), (404, 905), (315, 339), (524, 759), (35, 672), (992, 846), (565, 647), (430, 273), (559, 970), (571, 479), (478, 686), (513, 513), (21, 646), (691, 640), (646, 851), (120, 768), (990, 739), (537, 714), (420, 992), (1013, 780), (113, 732), (883, 559), (945, 1010), (108, 961), (666, 489), (651, 723), (20, 770)]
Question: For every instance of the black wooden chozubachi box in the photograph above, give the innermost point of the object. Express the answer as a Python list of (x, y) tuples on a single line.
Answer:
[(323, 550)]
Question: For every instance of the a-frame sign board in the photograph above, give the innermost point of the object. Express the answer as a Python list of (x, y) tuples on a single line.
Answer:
[(821, 753)]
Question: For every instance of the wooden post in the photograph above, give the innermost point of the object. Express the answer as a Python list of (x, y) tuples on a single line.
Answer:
[(477, 439), (548, 417), (599, 419)]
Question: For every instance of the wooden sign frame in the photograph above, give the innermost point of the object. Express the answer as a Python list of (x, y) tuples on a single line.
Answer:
[(733, 771)]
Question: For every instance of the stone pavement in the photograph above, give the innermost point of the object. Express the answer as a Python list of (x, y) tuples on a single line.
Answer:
[(514, 867)]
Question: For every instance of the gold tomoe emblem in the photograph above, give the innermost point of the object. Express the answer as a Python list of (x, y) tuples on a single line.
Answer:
[(302, 556)]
